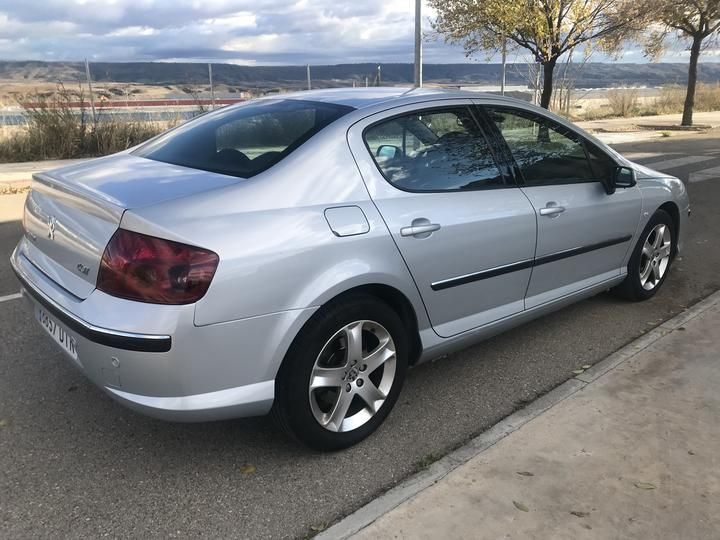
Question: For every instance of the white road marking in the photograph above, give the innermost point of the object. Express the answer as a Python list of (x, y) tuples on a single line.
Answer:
[(679, 162), (705, 174), (10, 297), (634, 156)]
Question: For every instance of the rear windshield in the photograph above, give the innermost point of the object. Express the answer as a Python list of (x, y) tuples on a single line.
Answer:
[(243, 140)]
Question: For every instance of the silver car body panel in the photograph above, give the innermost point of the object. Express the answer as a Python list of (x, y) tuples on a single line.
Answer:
[(319, 223), (491, 228)]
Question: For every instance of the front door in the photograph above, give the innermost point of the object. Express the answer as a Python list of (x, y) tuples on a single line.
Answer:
[(465, 231), (584, 234)]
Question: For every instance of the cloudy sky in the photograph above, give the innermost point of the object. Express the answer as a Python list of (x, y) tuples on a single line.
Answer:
[(239, 31)]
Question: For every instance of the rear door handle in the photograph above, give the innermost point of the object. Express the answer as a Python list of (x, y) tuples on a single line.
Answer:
[(420, 228), (552, 210)]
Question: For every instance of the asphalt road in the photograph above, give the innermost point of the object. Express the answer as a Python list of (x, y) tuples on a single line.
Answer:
[(74, 463)]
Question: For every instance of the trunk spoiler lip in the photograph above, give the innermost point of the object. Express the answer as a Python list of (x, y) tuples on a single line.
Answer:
[(89, 200), (128, 341)]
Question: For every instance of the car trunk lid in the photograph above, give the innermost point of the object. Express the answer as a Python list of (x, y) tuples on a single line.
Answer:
[(71, 213)]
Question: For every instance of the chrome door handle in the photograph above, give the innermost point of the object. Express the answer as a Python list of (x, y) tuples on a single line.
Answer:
[(420, 230), (552, 210)]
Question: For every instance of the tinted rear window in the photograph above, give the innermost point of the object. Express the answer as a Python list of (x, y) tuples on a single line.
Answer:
[(243, 140)]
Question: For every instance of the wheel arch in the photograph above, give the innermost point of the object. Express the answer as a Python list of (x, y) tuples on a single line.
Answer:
[(393, 297), (400, 304), (672, 209)]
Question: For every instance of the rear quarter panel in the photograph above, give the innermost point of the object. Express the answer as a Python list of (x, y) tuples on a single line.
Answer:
[(277, 252)]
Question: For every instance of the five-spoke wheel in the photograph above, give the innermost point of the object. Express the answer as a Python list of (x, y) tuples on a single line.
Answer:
[(651, 258), (352, 376), (655, 256), (343, 373)]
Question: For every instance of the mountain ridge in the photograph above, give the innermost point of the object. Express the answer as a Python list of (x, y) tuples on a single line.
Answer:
[(591, 75)]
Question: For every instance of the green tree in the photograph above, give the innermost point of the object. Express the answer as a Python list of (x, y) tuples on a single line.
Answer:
[(696, 21), (546, 28)]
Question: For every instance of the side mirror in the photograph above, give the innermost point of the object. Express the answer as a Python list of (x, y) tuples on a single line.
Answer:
[(624, 177), (388, 151)]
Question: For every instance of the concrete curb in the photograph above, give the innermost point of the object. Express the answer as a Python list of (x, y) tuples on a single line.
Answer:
[(416, 483)]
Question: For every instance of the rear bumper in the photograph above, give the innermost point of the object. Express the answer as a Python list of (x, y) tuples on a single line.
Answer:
[(102, 336), (154, 360), (249, 400)]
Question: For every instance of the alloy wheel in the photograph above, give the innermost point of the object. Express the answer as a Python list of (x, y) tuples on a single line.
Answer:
[(352, 376), (655, 256)]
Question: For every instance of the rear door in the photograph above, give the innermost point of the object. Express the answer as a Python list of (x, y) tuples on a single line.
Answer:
[(466, 232), (583, 233)]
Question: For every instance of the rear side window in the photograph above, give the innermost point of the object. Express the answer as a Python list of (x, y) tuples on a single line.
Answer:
[(245, 140), (547, 153), (436, 150)]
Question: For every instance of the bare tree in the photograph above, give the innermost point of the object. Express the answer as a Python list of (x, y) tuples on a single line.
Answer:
[(696, 21), (548, 29)]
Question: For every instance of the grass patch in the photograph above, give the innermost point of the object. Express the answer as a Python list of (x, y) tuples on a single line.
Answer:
[(13, 190), (426, 461), (61, 126)]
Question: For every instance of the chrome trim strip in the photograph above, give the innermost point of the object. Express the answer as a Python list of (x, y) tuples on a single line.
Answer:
[(483, 274), (524, 264), (580, 250), (103, 336)]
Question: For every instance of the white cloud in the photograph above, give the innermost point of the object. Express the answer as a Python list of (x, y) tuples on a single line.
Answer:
[(238, 31), (241, 31)]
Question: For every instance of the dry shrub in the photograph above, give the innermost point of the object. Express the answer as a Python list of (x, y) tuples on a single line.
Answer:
[(623, 101), (60, 126), (672, 99)]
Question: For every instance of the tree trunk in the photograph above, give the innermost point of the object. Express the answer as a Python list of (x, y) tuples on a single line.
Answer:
[(548, 69), (687, 117)]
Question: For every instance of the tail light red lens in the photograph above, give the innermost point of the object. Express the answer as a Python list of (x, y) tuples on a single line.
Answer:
[(148, 269)]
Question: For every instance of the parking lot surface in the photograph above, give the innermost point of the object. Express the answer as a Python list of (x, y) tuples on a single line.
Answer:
[(74, 463)]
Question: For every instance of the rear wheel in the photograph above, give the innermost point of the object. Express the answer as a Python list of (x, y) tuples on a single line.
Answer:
[(651, 259), (342, 374)]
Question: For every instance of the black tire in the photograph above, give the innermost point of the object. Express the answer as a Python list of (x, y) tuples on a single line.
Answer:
[(292, 410), (631, 288)]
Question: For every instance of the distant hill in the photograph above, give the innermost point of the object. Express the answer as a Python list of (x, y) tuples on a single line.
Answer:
[(592, 75)]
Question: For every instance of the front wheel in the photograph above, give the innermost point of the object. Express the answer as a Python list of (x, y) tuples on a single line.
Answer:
[(651, 258), (342, 374)]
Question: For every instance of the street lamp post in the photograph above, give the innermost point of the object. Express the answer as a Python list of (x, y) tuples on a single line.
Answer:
[(418, 44)]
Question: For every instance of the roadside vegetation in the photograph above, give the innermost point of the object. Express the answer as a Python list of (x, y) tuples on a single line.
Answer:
[(61, 125), (552, 30), (625, 102)]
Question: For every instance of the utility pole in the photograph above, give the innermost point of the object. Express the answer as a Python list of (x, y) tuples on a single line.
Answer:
[(308, 77), (89, 82), (366, 81), (418, 44), (212, 88), (504, 62)]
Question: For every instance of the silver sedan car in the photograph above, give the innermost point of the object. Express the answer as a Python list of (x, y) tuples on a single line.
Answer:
[(296, 254)]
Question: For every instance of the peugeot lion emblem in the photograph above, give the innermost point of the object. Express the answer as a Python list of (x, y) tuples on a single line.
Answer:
[(52, 222)]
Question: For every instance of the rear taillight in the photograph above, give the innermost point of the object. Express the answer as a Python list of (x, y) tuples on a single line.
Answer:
[(148, 269)]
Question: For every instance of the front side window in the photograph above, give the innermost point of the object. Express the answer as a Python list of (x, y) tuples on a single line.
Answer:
[(435, 150), (547, 153), (243, 141)]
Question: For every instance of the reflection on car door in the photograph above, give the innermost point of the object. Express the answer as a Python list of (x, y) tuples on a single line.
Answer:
[(584, 234), (466, 233)]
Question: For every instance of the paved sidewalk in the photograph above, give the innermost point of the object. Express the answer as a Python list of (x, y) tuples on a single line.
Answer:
[(644, 123), (12, 173), (631, 449)]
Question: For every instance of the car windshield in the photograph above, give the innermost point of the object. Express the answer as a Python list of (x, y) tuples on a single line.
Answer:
[(243, 140)]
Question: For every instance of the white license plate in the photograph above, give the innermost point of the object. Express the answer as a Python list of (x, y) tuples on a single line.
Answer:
[(58, 332)]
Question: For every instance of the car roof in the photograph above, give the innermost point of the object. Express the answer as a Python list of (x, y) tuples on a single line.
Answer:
[(362, 98)]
